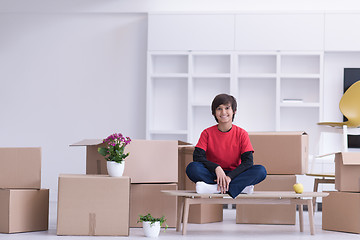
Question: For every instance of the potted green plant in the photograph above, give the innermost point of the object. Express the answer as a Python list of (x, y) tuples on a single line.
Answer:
[(152, 225), (114, 153)]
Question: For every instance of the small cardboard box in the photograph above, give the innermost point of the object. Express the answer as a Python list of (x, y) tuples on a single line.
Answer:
[(347, 171), (205, 213), (150, 161), (20, 168), (269, 213), (281, 152), (24, 210), (199, 213), (148, 198), (341, 212), (93, 205)]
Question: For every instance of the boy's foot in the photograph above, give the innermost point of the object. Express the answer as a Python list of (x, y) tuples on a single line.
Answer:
[(206, 188), (248, 190)]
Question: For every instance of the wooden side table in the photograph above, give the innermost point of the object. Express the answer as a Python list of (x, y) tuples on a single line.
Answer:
[(326, 178)]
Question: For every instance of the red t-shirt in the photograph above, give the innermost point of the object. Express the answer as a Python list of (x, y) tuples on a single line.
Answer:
[(225, 148)]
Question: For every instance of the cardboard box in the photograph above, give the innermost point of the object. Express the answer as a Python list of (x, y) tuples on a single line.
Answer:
[(341, 212), (205, 213), (150, 161), (347, 171), (199, 213), (20, 168), (24, 210), (281, 152), (93, 205), (148, 198), (269, 213), (185, 156)]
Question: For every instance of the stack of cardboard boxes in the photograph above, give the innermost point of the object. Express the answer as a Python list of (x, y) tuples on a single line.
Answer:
[(284, 155), (24, 206), (152, 166), (341, 209)]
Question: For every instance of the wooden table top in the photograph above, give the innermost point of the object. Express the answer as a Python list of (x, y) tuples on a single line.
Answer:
[(255, 194)]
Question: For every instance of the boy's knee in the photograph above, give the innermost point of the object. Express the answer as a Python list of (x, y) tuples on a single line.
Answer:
[(261, 171), (190, 167)]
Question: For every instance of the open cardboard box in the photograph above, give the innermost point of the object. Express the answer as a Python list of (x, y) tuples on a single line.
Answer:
[(281, 152), (269, 213), (20, 167), (150, 161), (24, 210), (347, 171)]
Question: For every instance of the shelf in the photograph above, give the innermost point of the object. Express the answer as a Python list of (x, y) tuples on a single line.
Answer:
[(170, 75), (257, 75), (169, 99), (205, 89), (168, 131), (300, 64), (256, 99), (214, 75), (169, 136), (181, 91), (293, 75), (199, 104), (306, 89), (163, 64), (301, 119), (211, 64), (300, 104), (256, 64)]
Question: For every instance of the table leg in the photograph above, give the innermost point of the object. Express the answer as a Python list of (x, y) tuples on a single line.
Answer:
[(311, 217), (185, 215), (316, 185), (180, 213), (301, 217)]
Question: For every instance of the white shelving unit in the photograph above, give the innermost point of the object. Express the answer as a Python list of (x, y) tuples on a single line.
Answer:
[(276, 91)]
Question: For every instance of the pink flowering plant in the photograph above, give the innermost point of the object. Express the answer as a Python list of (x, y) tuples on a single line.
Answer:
[(115, 146)]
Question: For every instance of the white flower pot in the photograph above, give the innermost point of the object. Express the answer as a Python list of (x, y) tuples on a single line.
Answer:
[(151, 230), (115, 169)]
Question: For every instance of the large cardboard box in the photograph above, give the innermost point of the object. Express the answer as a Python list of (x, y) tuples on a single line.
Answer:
[(269, 213), (150, 161), (347, 171), (93, 205), (24, 210), (20, 168), (148, 198), (199, 213), (281, 152), (341, 212)]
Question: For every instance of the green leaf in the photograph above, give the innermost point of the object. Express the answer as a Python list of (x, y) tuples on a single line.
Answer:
[(103, 151)]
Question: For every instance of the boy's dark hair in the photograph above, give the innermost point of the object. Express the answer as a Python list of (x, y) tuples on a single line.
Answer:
[(223, 99)]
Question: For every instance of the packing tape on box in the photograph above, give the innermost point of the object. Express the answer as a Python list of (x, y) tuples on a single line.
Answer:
[(92, 224)]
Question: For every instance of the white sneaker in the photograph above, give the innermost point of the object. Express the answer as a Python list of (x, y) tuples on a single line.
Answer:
[(202, 187), (248, 190)]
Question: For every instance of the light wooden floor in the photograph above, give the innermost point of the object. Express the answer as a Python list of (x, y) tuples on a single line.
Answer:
[(227, 229)]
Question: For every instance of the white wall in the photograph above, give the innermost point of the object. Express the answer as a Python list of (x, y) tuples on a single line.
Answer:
[(126, 6), (65, 77), (77, 69)]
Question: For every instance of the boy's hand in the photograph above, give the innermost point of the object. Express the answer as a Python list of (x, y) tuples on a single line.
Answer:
[(222, 180)]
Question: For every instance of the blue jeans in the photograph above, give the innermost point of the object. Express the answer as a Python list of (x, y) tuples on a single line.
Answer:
[(196, 172)]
